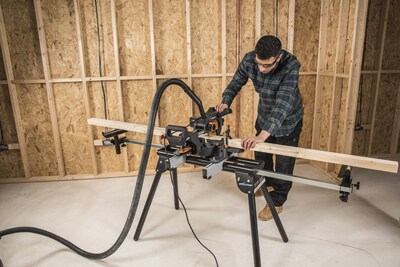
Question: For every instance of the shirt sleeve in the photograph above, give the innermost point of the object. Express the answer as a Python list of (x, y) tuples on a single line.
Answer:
[(285, 101), (240, 78)]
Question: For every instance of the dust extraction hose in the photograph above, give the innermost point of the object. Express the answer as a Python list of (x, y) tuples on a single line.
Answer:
[(138, 186)]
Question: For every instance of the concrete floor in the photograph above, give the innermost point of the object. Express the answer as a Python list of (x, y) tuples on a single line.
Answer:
[(322, 230)]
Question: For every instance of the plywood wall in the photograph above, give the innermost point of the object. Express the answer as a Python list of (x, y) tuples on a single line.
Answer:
[(60, 79)]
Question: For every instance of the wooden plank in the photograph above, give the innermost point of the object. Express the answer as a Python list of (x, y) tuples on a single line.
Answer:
[(337, 82), (84, 84), (304, 153), (49, 88), (378, 62), (292, 7), (396, 126), (118, 75), (321, 62)]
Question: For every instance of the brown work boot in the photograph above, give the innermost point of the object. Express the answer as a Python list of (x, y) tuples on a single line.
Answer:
[(259, 193), (266, 215)]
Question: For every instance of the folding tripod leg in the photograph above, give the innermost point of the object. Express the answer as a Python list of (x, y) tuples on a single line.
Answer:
[(254, 230), (275, 215), (147, 205), (175, 185)]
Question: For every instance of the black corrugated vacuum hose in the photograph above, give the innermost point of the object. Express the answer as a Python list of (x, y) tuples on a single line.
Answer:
[(138, 186)]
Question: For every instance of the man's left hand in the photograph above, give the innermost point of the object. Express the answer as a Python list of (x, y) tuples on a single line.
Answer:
[(251, 142)]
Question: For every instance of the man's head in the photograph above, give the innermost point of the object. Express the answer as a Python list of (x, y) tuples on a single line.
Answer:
[(268, 53)]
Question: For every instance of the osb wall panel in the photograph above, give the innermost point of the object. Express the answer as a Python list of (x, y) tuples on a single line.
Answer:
[(170, 37), (90, 32), (231, 34), (134, 37), (268, 17), (205, 36), (107, 159), (391, 55), (325, 111), (349, 38), (342, 115), (306, 34), (372, 33), (366, 92), (138, 97), (10, 161), (70, 106), (61, 38), (248, 25), (35, 116), (307, 89), (96, 100), (208, 90), (22, 37), (331, 35), (175, 105), (385, 112), (246, 115)]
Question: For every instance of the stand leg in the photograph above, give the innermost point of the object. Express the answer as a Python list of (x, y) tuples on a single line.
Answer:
[(147, 205), (275, 215), (175, 185), (254, 230)]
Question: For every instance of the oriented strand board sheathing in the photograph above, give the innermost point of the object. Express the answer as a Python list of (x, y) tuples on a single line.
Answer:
[(62, 43), (23, 40), (342, 116), (138, 97), (268, 17), (391, 54), (35, 117), (174, 106), (366, 92), (372, 33), (134, 37), (10, 161), (306, 34), (307, 89), (90, 32), (248, 25), (325, 112), (69, 98), (247, 120), (97, 100), (231, 62), (170, 37), (205, 33), (331, 35), (385, 111), (208, 90)]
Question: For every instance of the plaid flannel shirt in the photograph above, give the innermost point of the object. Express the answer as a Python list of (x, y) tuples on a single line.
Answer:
[(280, 106)]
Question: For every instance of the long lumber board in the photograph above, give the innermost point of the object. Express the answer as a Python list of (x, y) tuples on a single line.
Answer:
[(297, 152)]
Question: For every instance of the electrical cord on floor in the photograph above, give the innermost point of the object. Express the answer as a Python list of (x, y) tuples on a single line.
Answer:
[(186, 213), (1, 263)]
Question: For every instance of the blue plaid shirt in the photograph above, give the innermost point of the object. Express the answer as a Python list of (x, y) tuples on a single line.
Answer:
[(280, 106)]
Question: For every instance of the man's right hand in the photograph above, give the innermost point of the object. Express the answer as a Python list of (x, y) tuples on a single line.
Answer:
[(221, 107)]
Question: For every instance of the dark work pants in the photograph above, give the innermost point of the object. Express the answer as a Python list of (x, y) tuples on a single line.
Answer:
[(283, 164)]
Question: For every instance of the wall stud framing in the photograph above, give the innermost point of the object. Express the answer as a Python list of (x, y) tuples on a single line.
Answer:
[(355, 72), (49, 88), (290, 42), (118, 75), (84, 84), (319, 82), (337, 82), (13, 95)]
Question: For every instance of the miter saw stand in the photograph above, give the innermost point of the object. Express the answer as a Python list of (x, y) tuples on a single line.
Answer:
[(249, 174)]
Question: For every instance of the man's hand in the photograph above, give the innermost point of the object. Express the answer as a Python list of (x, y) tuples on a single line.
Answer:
[(251, 142), (221, 107)]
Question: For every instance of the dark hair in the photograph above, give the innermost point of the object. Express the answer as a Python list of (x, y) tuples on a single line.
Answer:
[(268, 46)]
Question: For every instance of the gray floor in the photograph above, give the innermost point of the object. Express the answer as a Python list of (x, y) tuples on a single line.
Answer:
[(322, 230)]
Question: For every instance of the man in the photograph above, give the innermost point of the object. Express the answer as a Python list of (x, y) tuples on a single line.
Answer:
[(275, 74)]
